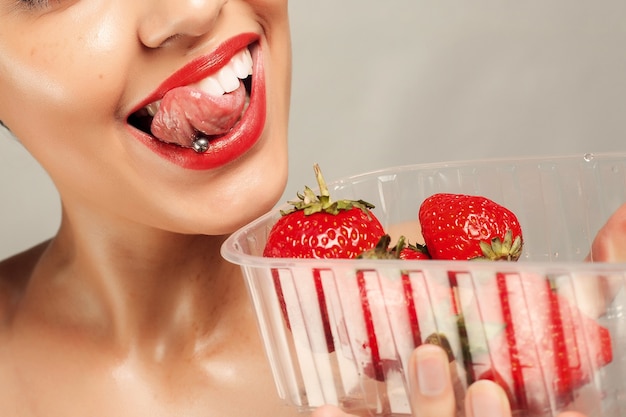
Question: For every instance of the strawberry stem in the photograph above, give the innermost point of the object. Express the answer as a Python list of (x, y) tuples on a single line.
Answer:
[(321, 182), (310, 203), (497, 250)]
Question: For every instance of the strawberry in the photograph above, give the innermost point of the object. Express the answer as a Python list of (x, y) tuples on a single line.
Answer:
[(542, 344), (514, 330), (318, 227), (402, 250), (458, 226), (414, 251), (379, 366)]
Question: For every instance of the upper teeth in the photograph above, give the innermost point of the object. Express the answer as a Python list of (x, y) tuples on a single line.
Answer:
[(223, 81)]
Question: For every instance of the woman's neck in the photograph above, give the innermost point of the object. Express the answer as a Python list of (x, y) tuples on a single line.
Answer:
[(138, 288)]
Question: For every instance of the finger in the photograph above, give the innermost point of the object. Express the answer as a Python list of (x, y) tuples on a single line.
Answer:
[(609, 245), (432, 392), (486, 399)]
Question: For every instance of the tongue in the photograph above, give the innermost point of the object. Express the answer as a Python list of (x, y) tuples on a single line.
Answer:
[(187, 113)]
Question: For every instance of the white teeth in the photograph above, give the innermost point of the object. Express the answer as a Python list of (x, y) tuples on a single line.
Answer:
[(152, 108), (247, 56), (228, 79), (242, 64), (224, 81), (211, 86), (239, 67)]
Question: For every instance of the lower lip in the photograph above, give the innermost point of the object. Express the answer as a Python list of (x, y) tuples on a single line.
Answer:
[(226, 148)]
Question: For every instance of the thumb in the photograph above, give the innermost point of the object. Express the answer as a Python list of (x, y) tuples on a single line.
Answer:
[(486, 399), (432, 390)]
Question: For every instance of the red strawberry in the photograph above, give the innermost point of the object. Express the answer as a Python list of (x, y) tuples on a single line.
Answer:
[(539, 344), (402, 250), (318, 227), (414, 252), (458, 226), (379, 366)]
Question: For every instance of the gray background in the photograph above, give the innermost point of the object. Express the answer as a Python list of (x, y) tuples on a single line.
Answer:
[(382, 83)]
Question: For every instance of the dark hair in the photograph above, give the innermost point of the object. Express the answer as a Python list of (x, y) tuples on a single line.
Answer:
[(3, 125)]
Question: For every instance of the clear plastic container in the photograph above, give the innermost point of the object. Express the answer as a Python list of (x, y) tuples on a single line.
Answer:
[(543, 327)]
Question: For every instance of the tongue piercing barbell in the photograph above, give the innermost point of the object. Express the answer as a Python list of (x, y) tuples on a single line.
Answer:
[(200, 145)]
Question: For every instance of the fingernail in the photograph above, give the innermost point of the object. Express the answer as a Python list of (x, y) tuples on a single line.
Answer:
[(486, 401), (432, 370)]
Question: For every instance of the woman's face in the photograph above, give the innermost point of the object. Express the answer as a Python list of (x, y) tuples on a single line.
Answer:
[(110, 96)]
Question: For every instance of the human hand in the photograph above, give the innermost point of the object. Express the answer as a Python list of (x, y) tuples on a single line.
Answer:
[(609, 245), (432, 392)]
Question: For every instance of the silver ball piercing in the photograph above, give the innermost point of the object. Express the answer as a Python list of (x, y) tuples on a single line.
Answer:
[(200, 145)]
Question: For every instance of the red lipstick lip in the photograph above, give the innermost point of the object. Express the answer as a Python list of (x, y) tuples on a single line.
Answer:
[(242, 137), (200, 67)]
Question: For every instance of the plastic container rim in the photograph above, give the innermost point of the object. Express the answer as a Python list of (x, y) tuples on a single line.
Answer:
[(232, 252)]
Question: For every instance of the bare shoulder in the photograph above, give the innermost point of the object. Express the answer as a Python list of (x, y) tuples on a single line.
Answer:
[(14, 275)]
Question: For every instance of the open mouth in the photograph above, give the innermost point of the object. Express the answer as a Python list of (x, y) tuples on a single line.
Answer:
[(194, 115)]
